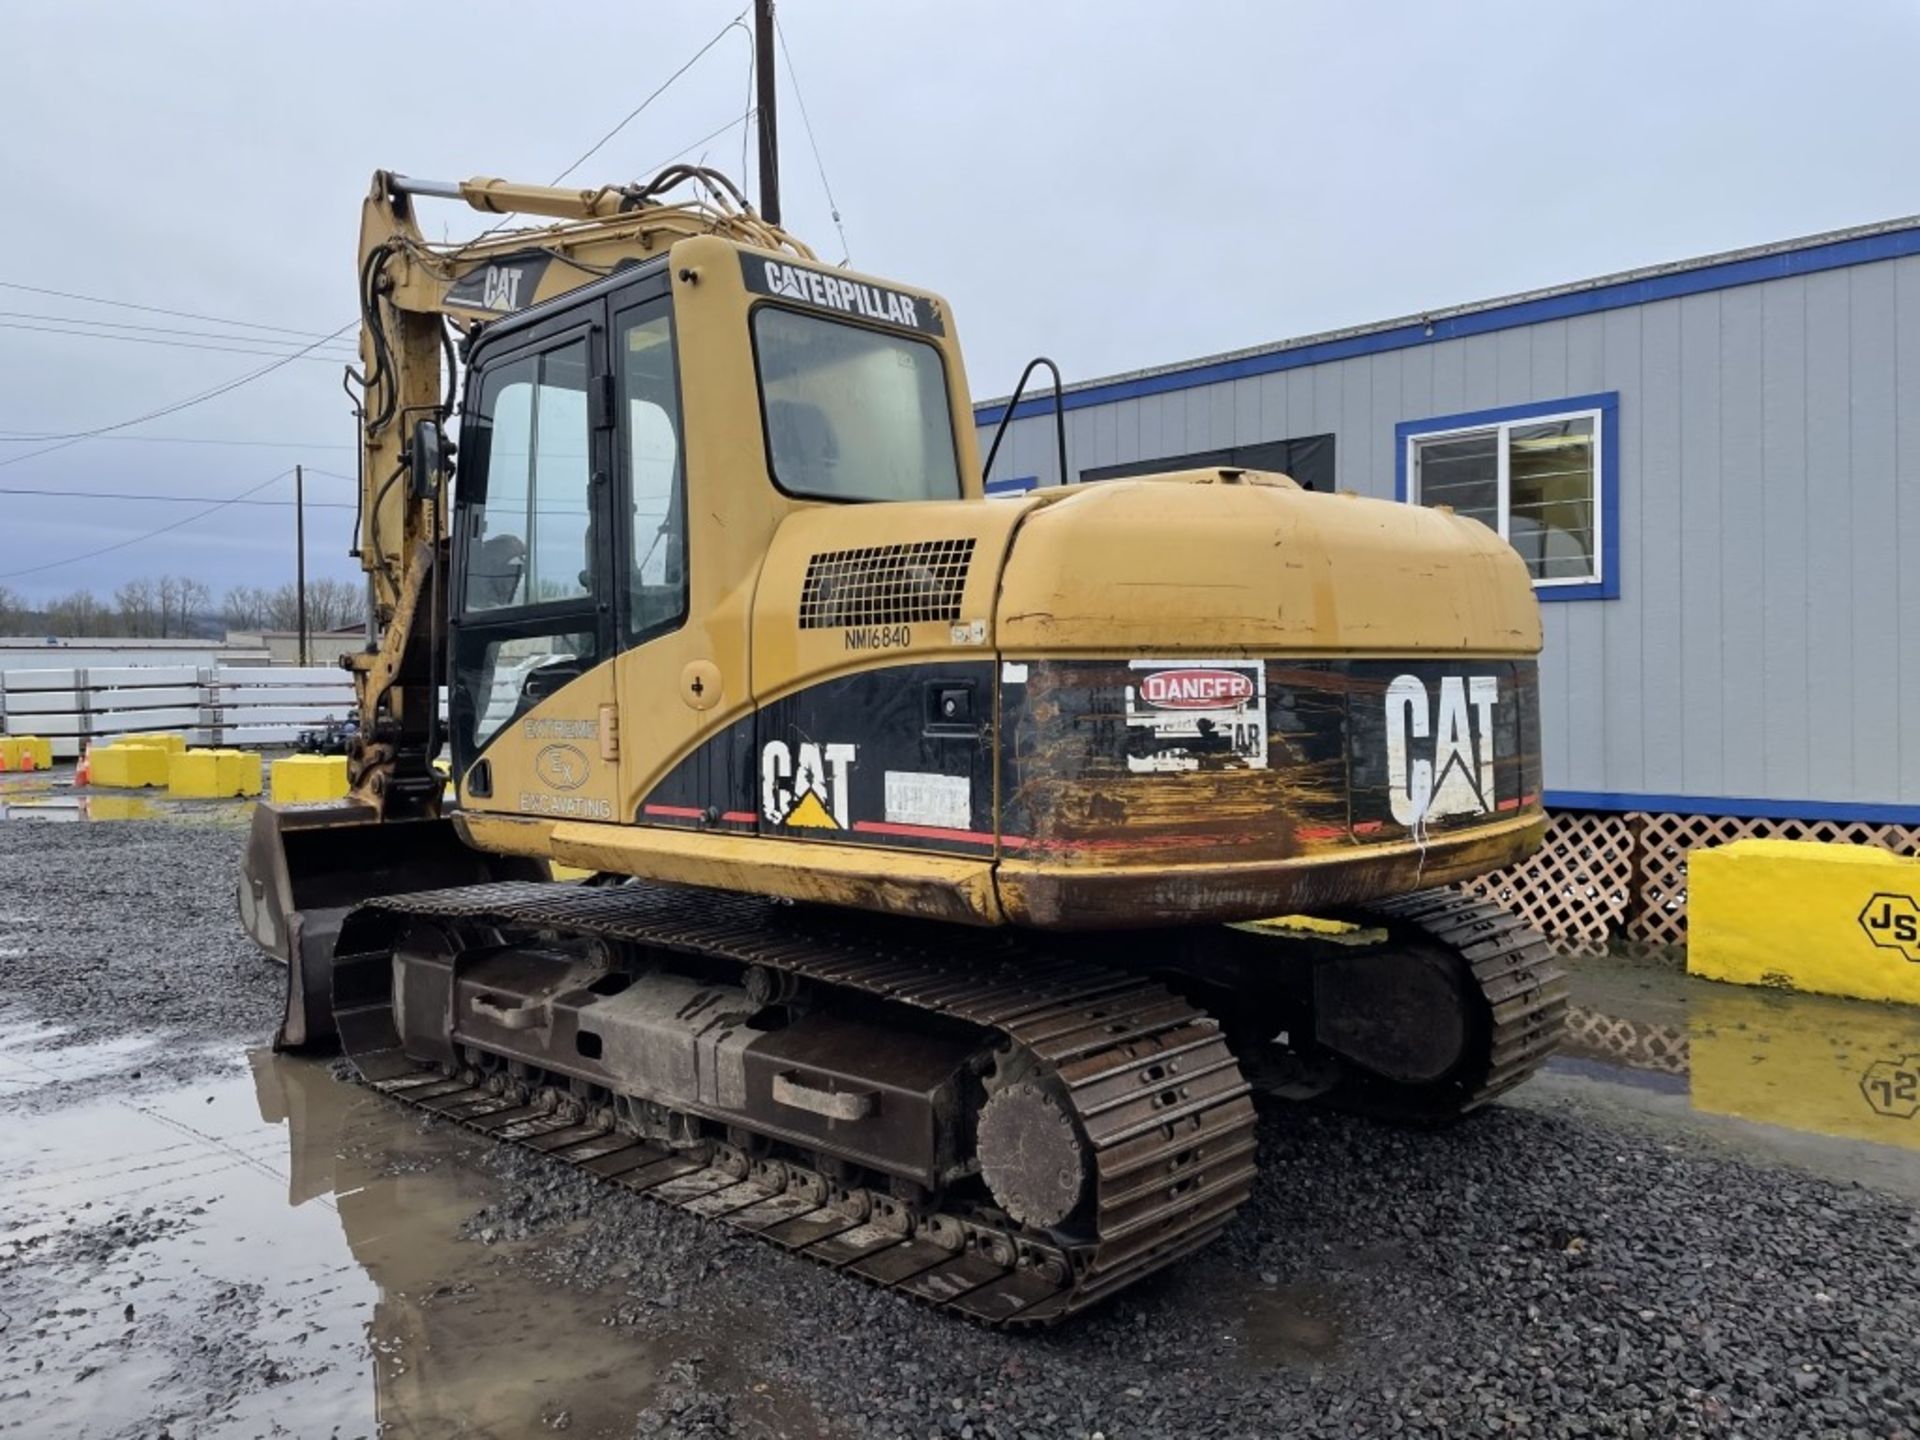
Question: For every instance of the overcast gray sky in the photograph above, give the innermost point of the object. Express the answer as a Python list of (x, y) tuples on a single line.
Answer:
[(1120, 185)]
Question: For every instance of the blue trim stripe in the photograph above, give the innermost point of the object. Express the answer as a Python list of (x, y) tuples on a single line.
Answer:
[(1834, 255), (1607, 587), (1744, 807)]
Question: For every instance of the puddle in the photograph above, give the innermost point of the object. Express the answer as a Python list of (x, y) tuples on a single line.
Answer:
[(1800, 1071), (274, 1252), (30, 1058), (68, 805)]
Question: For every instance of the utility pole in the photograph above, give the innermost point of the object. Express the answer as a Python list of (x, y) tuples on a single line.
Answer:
[(763, 75), (300, 554)]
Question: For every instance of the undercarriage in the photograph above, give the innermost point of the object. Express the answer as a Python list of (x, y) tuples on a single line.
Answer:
[(1008, 1125)]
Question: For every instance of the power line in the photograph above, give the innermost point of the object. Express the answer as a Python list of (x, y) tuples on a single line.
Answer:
[(74, 437), (24, 437), (806, 124), (280, 346), (634, 113), (150, 534), (331, 358), (155, 309), (169, 499), (689, 149)]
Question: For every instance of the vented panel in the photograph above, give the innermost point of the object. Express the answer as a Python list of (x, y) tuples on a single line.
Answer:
[(885, 584)]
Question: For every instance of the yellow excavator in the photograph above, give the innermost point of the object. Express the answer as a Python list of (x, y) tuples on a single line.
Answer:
[(934, 841)]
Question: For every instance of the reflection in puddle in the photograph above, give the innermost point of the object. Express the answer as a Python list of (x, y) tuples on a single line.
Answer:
[(1844, 1069), (54, 805), (288, 1263)]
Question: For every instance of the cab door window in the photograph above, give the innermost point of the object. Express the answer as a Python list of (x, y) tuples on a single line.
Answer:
[(531, 538), (656, 469), (527, 544)]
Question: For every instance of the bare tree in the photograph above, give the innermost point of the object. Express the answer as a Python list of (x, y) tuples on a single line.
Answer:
[(138, 607), (332, 603), (192, 599), (13, 611), (80, 613), (245, 608)]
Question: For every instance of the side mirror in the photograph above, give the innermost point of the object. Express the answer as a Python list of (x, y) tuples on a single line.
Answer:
[(426, 458)]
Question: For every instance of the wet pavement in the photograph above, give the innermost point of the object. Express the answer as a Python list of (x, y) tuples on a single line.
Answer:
[(282, 1252), (1700, 1219)]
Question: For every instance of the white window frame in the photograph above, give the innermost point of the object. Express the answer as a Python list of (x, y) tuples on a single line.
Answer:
[(1503, 429)]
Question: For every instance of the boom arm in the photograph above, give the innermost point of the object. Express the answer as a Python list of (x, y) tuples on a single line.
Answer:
[(412, 294)]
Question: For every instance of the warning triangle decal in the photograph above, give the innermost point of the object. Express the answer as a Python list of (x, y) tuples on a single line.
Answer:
[(809, 814)]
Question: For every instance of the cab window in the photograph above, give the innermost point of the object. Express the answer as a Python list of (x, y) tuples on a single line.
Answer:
[(529, 541), (656, 470), (852, 413)]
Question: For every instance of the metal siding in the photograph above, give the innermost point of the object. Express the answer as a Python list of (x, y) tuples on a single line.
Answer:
[(1622, 696), (1350, 461), (1907, 469), (1828, 539), (1742, 636), (1874, 568), (1198, 424), (1482, 372), (1702, 717), (1766, 642), (1219, 416), (1300, 386), (1783, 493), (1374, 472), (1514, 362), (1153, 409), (1657, 598), (1247, 429), (1127, 430)]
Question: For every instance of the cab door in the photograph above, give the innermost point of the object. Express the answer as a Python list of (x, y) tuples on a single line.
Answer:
[(532, 622)]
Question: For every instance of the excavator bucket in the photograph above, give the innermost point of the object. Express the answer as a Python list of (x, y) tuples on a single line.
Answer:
[(307, 865)]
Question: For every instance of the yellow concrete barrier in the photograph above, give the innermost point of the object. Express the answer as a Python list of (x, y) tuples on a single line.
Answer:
[(1804, 915), (173, 744), (25, 752), (124, 766), (301, 778), (212, 774)]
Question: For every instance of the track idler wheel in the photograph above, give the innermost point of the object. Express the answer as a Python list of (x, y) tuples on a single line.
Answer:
[(1031, 1155)]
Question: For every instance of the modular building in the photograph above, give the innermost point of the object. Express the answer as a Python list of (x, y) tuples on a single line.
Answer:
[(1712, 470)]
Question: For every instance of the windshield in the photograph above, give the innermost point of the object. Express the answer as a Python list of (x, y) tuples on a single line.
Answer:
[(851, 413)]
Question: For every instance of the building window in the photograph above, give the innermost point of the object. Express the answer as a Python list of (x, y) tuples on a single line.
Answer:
[(1541, 476)]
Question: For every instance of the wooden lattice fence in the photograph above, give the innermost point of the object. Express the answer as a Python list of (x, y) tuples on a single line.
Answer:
[(1604, 877)]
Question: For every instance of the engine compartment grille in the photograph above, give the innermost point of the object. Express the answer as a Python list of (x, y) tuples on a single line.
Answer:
[(885, 584)]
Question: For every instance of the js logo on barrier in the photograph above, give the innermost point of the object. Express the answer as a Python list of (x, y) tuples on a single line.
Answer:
[(1893, 922), (1892, 1087)]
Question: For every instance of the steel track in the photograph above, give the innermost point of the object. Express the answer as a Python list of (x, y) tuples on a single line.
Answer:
[(1161, 1106), (1524, 988)]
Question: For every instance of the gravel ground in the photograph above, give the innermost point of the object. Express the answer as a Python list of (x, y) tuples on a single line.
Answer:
[(110, 929), (1540, 1270)]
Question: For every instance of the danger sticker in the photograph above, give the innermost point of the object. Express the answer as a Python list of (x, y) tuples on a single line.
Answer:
[(1199, 688), (1197, 714)]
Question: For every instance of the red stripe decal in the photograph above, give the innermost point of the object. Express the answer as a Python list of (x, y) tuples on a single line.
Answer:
[(694, 812), (1318, 832), (1369, 827), (925, 832)]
